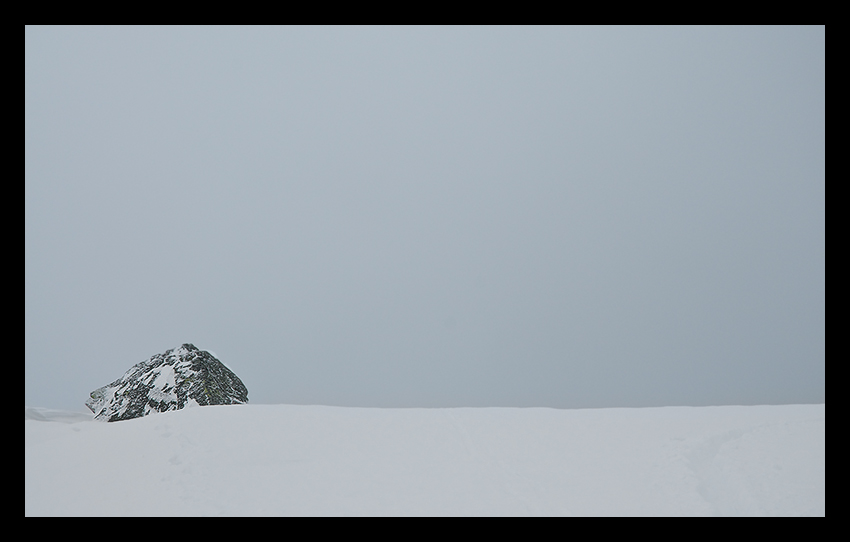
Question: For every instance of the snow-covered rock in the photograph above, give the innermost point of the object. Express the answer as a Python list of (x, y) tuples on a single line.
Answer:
[(184, 376)]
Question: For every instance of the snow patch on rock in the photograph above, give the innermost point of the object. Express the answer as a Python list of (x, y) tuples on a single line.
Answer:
[(180, 377)]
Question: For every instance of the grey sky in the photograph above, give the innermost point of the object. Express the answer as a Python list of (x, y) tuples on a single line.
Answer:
[(564, 217)]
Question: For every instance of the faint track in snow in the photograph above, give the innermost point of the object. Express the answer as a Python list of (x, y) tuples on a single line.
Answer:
[(757, 471)]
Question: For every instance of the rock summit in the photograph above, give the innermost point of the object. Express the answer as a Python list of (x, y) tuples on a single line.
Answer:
[(181, 377)]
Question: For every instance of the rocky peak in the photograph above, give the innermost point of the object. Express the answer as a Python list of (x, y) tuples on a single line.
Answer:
[(180, 377)]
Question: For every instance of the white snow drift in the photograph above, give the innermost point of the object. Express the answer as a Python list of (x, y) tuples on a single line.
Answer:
[(314, 460)]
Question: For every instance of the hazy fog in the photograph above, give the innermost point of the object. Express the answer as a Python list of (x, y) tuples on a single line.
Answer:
[(564, 217)]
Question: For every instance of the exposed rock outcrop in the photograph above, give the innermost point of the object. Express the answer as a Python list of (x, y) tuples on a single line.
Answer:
[(180, 377)]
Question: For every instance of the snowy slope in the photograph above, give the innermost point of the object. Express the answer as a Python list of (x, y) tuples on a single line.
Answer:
[(314, 460)]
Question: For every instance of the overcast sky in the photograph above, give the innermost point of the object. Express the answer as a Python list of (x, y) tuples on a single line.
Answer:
[(406, 217)]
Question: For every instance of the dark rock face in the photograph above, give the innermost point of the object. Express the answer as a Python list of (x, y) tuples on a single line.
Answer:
[(178, 378)]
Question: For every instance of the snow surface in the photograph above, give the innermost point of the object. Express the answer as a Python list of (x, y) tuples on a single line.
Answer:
[(317, 460)]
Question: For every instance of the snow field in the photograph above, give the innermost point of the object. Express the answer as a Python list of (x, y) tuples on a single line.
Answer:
[(316, 460)]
